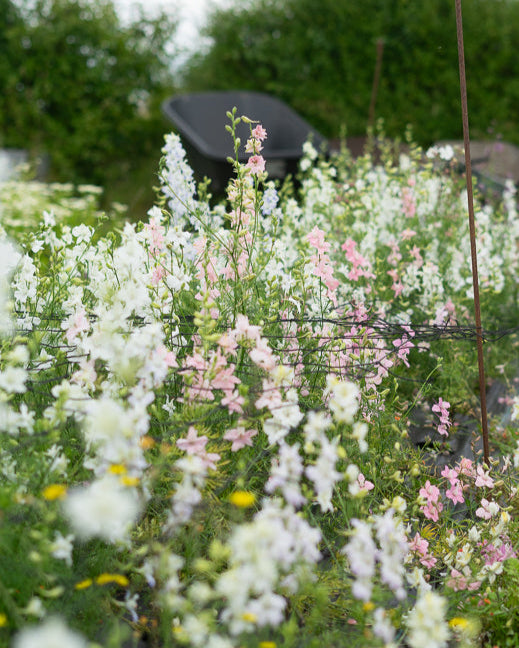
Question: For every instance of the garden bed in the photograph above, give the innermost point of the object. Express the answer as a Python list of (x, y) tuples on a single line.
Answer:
[(208, 416)]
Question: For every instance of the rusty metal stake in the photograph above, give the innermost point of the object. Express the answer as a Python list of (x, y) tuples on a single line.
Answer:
[(473, 252)]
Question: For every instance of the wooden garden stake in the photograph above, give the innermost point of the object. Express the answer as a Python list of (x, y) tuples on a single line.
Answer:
[(473, 252)]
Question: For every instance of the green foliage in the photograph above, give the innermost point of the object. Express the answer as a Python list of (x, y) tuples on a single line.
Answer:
[(77, 85), (322, 62)]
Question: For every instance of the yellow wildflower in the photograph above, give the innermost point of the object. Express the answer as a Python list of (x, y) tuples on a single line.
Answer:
[(83, 584), (126, 480), (54, 492), (117, 469), (458, 623), (242, 499), (105, 579), (250, 617)]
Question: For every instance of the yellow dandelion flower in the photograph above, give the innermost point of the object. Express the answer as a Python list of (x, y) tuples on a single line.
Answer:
[(105, 579), (83, 584), (368, 606), (129, 481), (242, 499), (267, 644), (250, 617), (3, 620), (54, 492), (459, 623), (117, 469)]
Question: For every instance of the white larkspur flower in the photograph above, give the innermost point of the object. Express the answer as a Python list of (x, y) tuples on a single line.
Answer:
[(12, 380), (360, 430), (62, 547), (53, 633), (344, 401), (382, 627), (361, 552), (426, 622), (104, 509), (177, 181), (9, 259)]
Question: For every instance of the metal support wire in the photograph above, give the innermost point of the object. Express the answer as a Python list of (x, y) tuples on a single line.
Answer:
[(473, 252)]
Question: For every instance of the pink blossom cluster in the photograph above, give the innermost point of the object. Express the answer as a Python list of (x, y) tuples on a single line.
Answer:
[(155, 232), (256, 162), (361, 265), (455, 490), (420, 546), (323, 264), (432, 506), (212, 370), (76, 324), (366, 348), (408, 199), (460, 581), (442, 409), (462, 477), (404, 344), (196, 445), (497, 552)]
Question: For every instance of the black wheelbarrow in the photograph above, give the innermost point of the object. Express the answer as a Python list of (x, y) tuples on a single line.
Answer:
[(200, 120)]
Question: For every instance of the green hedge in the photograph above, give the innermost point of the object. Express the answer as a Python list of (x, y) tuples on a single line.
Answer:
[(320, 58), (81, 87)]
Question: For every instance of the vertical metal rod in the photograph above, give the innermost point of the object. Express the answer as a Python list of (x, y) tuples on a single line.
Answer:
[(473, 252)]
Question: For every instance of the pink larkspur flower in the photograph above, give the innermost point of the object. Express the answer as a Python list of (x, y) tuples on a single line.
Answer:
[(209, 459), (256, 164), (193, 444), (455, 493), (432, 510), (483, 478), (240, 437), (458, 582), (234, 402), (78, 324), (451, 474), (253, 146), (466, 467), (316, 240), (259, 132), (168, 357), (487, 509), (442, 409), (430, 492), (364, 484), (441, 406)]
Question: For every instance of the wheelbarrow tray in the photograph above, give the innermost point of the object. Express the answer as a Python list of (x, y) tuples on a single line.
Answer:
[(200, 119)]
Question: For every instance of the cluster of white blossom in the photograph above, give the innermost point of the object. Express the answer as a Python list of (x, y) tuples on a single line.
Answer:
[(266, 555)]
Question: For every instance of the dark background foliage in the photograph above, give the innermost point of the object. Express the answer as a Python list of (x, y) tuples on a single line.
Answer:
[(320, 58), (78, 85)]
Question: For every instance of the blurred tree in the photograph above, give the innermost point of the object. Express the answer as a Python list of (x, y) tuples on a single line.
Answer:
[(81, 87), (320, 58)]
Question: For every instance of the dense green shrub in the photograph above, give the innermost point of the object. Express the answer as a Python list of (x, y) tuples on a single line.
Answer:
[(77, 84), (321, 60)]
